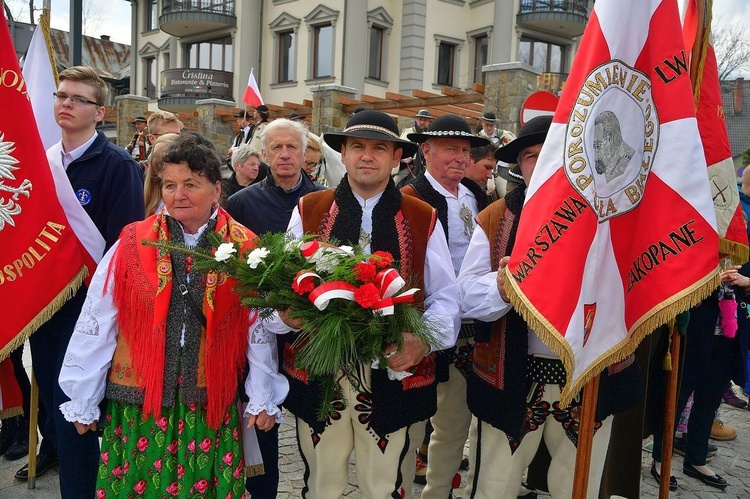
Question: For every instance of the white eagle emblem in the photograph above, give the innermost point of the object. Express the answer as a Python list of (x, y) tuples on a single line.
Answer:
[(9, 206)]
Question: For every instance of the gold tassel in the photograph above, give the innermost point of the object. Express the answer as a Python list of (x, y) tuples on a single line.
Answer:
[(44, 24)]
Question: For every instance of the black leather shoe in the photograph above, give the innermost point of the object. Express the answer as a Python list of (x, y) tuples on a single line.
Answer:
[(714, 481), (19, 448), (8, 432), (44, 463), (655, 474)]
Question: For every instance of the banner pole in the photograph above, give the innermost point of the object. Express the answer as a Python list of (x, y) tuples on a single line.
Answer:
[(585, 438), (33, 422), (670, 402)]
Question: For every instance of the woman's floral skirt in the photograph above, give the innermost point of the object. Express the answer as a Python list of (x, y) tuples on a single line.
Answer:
[(177, 455)]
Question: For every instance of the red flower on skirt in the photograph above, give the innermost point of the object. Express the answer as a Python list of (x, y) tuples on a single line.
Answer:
[(162, 423), (140, 487), (205, 445), (367, 295), (201, 485), (228, 457), (142, 444), (173, 489), (180, 471)]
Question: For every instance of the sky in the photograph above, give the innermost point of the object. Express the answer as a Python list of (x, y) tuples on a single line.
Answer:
[(109, 16)]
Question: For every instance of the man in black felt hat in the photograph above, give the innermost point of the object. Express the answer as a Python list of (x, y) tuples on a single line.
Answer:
[(411, 166), (139, 143), (445, 146), (495, 135), (383, 419), (260, 115), (514, 382)]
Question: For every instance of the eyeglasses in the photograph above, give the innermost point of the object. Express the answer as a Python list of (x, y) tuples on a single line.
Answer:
[(312, 164), (77, 101)]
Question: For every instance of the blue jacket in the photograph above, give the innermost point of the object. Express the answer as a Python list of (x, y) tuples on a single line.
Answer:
[(266, 207), (109, 185)]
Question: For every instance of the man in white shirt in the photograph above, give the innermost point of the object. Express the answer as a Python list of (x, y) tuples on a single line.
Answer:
[(109, 186), (383, 419), (445, 146)]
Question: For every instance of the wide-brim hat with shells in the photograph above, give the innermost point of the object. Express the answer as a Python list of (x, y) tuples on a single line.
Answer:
[(449, 126), (374, 125)]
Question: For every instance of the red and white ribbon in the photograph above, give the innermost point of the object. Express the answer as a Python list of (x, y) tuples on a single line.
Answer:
[(309, 248), (324, 293)]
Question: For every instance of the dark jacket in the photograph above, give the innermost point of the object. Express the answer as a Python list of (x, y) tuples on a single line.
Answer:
[(109, 185), (266, 207)]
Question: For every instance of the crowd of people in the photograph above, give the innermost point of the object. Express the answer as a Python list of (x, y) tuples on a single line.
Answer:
[(164, 384)]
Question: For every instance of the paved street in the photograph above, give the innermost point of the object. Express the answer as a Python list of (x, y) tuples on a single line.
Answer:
[(732, 461)]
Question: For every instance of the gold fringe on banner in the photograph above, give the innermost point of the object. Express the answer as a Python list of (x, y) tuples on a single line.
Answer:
[(702, 42), (254, 470), (45, 314), (555, 341), (737, 252), (44, 24), (13, 411)]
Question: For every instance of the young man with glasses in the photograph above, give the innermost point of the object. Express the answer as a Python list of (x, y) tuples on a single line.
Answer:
[(109, 187)]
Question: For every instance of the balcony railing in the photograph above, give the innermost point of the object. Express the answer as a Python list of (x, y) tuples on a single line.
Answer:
[(225, 7), (570, 6)]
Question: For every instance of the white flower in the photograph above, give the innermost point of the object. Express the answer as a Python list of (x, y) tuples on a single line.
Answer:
[(256, 256), (224, 251), (292, 244), (347, 249), (327, 261)]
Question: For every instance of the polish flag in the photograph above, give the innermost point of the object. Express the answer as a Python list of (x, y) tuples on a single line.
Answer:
[(252, 92)]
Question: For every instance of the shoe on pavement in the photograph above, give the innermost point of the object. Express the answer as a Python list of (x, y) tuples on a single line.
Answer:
[(712, 480), (733, 400), (19, 448), (721, 432), (657, 477), (680, 444), (44, 463)]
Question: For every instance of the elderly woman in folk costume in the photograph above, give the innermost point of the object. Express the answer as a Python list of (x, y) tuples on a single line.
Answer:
[(167, 345)]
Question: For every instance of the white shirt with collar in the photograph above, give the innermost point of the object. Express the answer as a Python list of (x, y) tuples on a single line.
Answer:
[(461, 212)]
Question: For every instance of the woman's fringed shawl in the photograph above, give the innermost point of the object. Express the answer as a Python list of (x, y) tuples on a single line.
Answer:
[(142, 289)]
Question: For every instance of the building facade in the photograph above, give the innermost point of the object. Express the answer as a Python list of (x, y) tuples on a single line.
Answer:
[(188, 50)]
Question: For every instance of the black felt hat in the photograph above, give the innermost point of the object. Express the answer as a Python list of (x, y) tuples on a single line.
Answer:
[(532, 133), (423, 113), (139, 119), (449, 126), (488, 117), (242, 114), (370, 124), (512, 174), (296, 117)]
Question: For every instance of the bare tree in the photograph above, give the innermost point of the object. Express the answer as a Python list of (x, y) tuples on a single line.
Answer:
[(732, 45), (92, 19)]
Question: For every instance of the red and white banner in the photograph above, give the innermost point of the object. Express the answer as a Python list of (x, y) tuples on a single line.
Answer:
[(40, 81), (722, 177), (42, 262), (252, 92), (618, 233), (11, 398)]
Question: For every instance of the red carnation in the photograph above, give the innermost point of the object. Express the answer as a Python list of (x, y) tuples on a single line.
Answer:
[(365, 271), (383, 259), (367, 295), (305, 285)]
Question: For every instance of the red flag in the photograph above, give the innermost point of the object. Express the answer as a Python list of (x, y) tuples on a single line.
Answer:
[(723, 179), (11, 398), (43, 263), (618, 232), (252, 92)]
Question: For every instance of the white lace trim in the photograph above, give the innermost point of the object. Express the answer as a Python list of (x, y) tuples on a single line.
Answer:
[(84, 416), (271, 408)]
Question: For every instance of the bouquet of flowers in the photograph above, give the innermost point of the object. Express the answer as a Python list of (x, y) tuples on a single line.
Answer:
[(351, 304)]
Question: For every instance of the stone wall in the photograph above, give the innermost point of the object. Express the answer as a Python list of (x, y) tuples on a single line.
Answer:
[(328, 115), (128, 107), (507, 85)]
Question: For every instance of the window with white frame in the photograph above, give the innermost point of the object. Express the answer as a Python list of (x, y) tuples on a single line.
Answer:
[(322, 51), (447, 52), (321, 25), (285, 60), (285, 29), (546, 56), (210, 54), (480, 56), (379, 24), (151, 76), (152, 15)]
